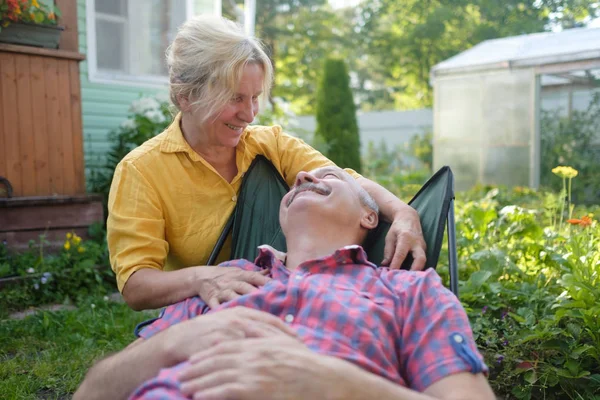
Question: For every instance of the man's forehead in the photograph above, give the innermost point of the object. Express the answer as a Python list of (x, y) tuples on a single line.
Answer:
[(330, 168)]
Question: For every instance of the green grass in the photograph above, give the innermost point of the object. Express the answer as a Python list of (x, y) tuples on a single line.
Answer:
[(46, 356)]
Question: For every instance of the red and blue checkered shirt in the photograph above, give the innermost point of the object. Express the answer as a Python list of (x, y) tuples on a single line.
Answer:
[(404, 326)]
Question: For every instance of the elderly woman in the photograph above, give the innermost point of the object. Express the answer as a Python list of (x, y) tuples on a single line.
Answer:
[(171, 197)]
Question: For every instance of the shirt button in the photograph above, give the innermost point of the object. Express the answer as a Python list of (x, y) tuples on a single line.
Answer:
[(234, 198), (457, 338), (289, 318)]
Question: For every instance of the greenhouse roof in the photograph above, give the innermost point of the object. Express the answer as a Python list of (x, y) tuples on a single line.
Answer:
[(535, 49)]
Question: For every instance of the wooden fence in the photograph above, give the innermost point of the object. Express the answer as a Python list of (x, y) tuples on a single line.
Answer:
[(41, 145)]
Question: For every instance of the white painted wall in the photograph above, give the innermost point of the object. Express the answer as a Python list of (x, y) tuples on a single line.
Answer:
[(393, 127)]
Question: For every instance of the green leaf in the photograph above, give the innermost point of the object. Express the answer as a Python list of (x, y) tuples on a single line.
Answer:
[(478, 278), (530, 377)]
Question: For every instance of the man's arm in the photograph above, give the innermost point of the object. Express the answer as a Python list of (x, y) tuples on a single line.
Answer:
[(117, 376), (265, 369), (461, 386)]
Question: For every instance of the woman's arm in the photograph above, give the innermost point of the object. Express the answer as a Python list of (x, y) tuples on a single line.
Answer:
[(405, 235), (148, 288)]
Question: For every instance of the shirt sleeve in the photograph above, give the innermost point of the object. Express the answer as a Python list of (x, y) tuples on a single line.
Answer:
[(165, 386), (135, 226), (436, 339), (295, 155)]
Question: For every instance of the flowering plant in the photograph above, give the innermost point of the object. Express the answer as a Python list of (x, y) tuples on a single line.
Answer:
[(28, 11)]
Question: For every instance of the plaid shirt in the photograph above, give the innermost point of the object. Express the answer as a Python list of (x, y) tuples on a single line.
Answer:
[(401, 325)]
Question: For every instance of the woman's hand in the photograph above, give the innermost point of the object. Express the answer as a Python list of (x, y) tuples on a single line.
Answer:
[(217, 285), (405, 236)]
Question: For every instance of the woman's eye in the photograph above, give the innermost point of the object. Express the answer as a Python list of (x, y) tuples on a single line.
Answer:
[(330, 175)]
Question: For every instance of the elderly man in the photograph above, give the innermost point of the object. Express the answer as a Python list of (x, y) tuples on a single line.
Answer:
[(328, 325)]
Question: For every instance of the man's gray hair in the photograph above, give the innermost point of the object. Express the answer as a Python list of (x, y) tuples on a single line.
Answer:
[(367, 200)]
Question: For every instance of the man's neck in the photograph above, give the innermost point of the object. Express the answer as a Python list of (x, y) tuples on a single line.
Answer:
[(309, 245)]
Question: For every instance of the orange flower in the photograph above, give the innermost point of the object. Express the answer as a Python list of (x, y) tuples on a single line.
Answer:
[(51, 16), (584, 221)]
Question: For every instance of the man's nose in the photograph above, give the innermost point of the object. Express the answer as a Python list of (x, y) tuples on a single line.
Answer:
[(304, 177)]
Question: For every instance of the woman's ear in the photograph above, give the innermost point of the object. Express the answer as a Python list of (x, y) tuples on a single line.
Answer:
[(184, 103), (369, 219)]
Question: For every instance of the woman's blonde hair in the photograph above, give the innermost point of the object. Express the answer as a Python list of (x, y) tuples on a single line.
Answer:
[(206, 61)]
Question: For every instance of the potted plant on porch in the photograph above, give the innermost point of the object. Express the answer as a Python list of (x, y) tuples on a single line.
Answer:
[(30, 23)]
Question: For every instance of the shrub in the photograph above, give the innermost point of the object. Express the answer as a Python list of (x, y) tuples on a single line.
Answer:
[(336, 116), (79, 269), (148, 117), (531, 287)]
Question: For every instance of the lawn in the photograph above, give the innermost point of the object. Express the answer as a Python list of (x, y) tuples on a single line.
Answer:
[(45, 356)]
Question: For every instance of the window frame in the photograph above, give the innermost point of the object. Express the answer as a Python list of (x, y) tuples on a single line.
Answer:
[(118, 77)]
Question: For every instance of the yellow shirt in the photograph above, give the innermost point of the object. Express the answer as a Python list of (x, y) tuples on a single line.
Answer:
[(167, 205)]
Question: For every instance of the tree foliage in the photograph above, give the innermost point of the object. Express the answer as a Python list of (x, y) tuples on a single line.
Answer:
[(390, 45), (405, 39), (336, 116)]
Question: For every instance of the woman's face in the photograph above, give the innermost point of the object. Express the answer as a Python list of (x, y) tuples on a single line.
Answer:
[(226, 129)]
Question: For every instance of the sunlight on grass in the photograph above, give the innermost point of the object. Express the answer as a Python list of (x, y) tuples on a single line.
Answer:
[(48, 354)]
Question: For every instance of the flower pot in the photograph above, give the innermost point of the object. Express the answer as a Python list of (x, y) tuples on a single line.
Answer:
[(36, 35)]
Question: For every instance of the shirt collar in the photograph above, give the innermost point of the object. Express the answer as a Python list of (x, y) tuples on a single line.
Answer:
[(347, 255), (174, 142)]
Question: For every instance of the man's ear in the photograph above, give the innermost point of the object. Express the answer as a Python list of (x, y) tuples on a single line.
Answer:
[(369, 219)]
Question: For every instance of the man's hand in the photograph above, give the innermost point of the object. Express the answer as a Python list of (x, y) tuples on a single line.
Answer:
[(206, 331), (405, 236), (217, 285), (262, 369)]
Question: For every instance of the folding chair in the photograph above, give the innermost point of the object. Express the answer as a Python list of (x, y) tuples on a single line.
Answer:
[(255, 220)]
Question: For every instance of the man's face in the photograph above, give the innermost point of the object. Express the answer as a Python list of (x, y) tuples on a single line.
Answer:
[(327, 195)]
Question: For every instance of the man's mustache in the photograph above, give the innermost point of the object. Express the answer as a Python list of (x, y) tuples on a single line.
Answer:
[(308, 186)]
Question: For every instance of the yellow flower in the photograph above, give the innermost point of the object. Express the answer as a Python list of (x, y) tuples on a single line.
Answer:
[(81, 249), (76, 240), (31, 16), (67, 245), (565, 172), (69, 235), (51, 16), (35, 3)]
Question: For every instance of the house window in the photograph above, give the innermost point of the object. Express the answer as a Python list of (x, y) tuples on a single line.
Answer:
[(127, 39)]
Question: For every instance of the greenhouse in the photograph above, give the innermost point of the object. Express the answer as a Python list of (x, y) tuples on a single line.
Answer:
[(489, 100)]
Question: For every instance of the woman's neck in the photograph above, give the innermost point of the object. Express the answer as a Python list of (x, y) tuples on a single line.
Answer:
[(221, 158)]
